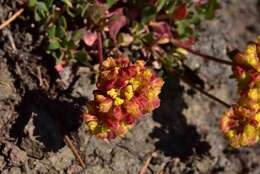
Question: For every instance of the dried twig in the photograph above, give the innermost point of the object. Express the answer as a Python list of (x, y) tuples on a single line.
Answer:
[(146, 164), (160, 172), (7, 22), (39, 76), (74, 150)]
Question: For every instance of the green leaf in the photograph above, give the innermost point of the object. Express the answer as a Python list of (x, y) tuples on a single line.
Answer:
[(211, 6), (96, 12), (148, 38), (69, 55), (42, 8), (49, 3), (37, 16), (32, 3), (63, 22), (57, 54), (108, 43), (70, 13), (67, 2), (54, 44), (81, 56), (71, 45), (196, 19), (77, 35), (171, 5), (160, 5), (184, 28), (110, 3), (60, 32), (51, 31), (41, 11), (148, 14)]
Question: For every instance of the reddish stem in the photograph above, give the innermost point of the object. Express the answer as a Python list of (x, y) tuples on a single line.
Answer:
[(187, 81), (208, 94), (204, 56), (100, 49)]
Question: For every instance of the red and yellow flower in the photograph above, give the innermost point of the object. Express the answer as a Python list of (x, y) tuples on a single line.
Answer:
[(241, 126), (241, 123), (125, 91)]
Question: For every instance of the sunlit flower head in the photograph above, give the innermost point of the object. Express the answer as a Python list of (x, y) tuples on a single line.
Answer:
[(241, 126), (125, 92)]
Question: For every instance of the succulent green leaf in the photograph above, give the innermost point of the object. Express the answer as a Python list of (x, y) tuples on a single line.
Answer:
[(54, 44), (81, 56), (110, 3), (148, 13), (52, 31), (211, 6), (148, 38), (60, 32), (41, 11), (49, 3), (57, 54), (32, 3), (160, 5), (37, 16), (77, 35), (70, 44), (67, 2), (63, 23)]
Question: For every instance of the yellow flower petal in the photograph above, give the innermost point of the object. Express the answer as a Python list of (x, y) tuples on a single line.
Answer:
[(135, 83), (254, 93), (147, 73), (118, 101), (129, 92), (112, 93), (92, 125)]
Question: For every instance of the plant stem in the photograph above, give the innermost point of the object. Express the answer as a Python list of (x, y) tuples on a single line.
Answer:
[(7, 22), (185, 80), (209, 95), (204, 56), (100, 49), (74, 150)]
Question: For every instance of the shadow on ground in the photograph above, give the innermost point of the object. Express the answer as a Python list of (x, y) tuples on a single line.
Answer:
[(46, 120), (175, 137)]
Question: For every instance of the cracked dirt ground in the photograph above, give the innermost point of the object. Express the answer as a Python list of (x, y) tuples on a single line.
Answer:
[(183, 132)]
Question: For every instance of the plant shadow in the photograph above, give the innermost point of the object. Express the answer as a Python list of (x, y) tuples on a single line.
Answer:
[(176, 138), (46, 120)]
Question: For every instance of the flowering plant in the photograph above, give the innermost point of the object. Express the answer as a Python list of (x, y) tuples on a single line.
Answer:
[(125, 91), (143, 27), (241, 124)]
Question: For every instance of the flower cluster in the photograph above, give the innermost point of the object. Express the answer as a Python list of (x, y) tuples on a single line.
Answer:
[(241, 124), (125, 91)]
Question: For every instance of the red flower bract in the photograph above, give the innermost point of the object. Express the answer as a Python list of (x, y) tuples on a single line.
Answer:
[(125, 91)]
